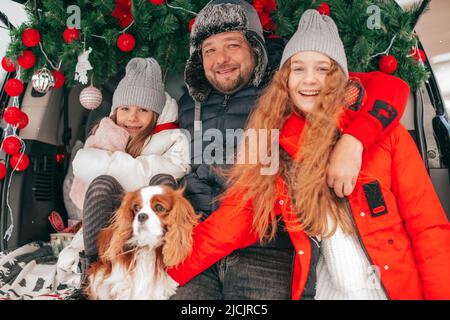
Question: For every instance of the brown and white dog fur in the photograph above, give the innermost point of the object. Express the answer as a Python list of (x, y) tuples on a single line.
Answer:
[(151, 231)]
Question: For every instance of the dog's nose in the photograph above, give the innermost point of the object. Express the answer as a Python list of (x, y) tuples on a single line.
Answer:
[(142, 217)]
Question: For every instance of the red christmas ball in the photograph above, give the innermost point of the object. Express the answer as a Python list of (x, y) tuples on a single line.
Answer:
[(2, 170), (191, 23), (27, 59), (8, 65), (126, 42), (418, 55), (23, 121), (59, 79), (324, 8), (14, 87), (388, 64), (12, 145), (12, 115), (71, 34), (31, 37), (157, 2), (19, 161)]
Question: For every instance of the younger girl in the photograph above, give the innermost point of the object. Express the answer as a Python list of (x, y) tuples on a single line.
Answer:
[(389, 239), (137, 142)]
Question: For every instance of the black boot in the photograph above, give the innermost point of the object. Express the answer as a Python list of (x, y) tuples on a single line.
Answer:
[(85, 262)]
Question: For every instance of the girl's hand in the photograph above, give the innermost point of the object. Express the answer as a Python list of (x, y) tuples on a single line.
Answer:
[(344, 166)]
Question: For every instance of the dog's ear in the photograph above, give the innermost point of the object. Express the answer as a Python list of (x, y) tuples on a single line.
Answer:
[(113, 238), (163, 179), (179, 222)]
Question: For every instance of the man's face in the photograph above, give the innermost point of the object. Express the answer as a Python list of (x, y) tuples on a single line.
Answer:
[(228, 60)]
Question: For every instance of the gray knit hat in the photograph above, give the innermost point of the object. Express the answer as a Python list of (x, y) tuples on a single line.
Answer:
[(319, 33), (142, 86), (216, 17)]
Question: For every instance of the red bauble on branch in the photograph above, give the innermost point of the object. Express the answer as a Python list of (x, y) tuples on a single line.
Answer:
[(12, 115), (8, 65), (126, 42), (31, 37), (2, 170), (418, 54), (157, 2), (388, 64), (122, 11), (71, 34), (27, 59), (324, 8), (19, 161), (59, 79), (14, 87), (23, 120), (12, 145)]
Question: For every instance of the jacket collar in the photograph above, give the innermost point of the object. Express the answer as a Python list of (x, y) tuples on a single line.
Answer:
[(291, 133)]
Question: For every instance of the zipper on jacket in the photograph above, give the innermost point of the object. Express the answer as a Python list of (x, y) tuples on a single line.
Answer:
[(225, 100), (350, 212)]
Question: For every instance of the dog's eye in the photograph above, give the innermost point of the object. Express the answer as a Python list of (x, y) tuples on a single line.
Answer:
[(159, 208), (136, 208)]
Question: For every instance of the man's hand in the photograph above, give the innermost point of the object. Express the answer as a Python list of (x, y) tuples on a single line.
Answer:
[(345, 163)]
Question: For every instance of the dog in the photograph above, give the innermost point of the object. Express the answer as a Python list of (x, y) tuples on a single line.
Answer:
[(151, 231)]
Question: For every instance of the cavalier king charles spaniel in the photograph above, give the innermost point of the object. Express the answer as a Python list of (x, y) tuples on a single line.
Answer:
[(151, 231)]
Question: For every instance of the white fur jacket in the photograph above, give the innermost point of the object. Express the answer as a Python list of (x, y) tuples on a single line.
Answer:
[(104, 154)]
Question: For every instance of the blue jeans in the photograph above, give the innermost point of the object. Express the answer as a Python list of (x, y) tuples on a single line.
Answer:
[(253, 273)]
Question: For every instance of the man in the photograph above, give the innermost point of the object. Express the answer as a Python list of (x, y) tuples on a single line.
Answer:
[(226, 71)]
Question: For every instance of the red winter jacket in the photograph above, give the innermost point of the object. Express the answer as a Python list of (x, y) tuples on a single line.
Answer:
[(399, 219)]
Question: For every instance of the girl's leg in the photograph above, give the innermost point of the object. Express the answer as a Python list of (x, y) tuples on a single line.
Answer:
[(103, 197)]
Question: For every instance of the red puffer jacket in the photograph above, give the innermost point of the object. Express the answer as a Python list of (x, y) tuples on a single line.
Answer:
[(399, 220)]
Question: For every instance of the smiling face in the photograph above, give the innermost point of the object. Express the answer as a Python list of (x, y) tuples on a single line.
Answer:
[(133, 119), (228, 61), (307, 78)]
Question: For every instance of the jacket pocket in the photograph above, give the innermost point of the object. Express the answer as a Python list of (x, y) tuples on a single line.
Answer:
[(377, 210)]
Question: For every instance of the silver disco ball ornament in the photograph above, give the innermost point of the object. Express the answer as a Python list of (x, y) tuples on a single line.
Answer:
[(91, 97), (43, 80)]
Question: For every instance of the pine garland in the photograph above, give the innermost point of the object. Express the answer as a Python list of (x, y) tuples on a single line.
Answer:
[(162, 32)]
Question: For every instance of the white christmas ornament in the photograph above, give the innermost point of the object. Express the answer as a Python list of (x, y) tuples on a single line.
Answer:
[(91, 97), (43, 80), (83, 66)]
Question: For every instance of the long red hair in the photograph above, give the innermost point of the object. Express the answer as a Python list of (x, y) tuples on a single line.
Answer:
[(306, 179)]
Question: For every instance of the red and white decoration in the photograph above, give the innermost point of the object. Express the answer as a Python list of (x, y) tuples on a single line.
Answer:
[(91, 97)]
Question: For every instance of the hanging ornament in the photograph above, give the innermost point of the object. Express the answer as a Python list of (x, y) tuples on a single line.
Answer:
[(12, 115), (43, 80), (418, 55), (23, 120), (83, 66), (8, 65), (91, 97), (157, 2), (122, 11), (14, 87), (126, 42), (324, 9), (12, 145), (59, 78), (19, 161), (31, 37), (388, 64), (27, 59), (2, 170), (191, 23), (71, 34)]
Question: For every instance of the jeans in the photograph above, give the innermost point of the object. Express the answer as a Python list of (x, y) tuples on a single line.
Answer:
[(253, 273)]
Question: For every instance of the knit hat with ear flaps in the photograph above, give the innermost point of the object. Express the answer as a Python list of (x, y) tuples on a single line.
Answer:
[(217, 17), (319, 33), (142, 86)]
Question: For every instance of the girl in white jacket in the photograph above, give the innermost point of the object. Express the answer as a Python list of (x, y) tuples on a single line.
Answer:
[(126, 150)]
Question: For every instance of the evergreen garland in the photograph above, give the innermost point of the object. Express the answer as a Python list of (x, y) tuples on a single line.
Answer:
[(162, 32)]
